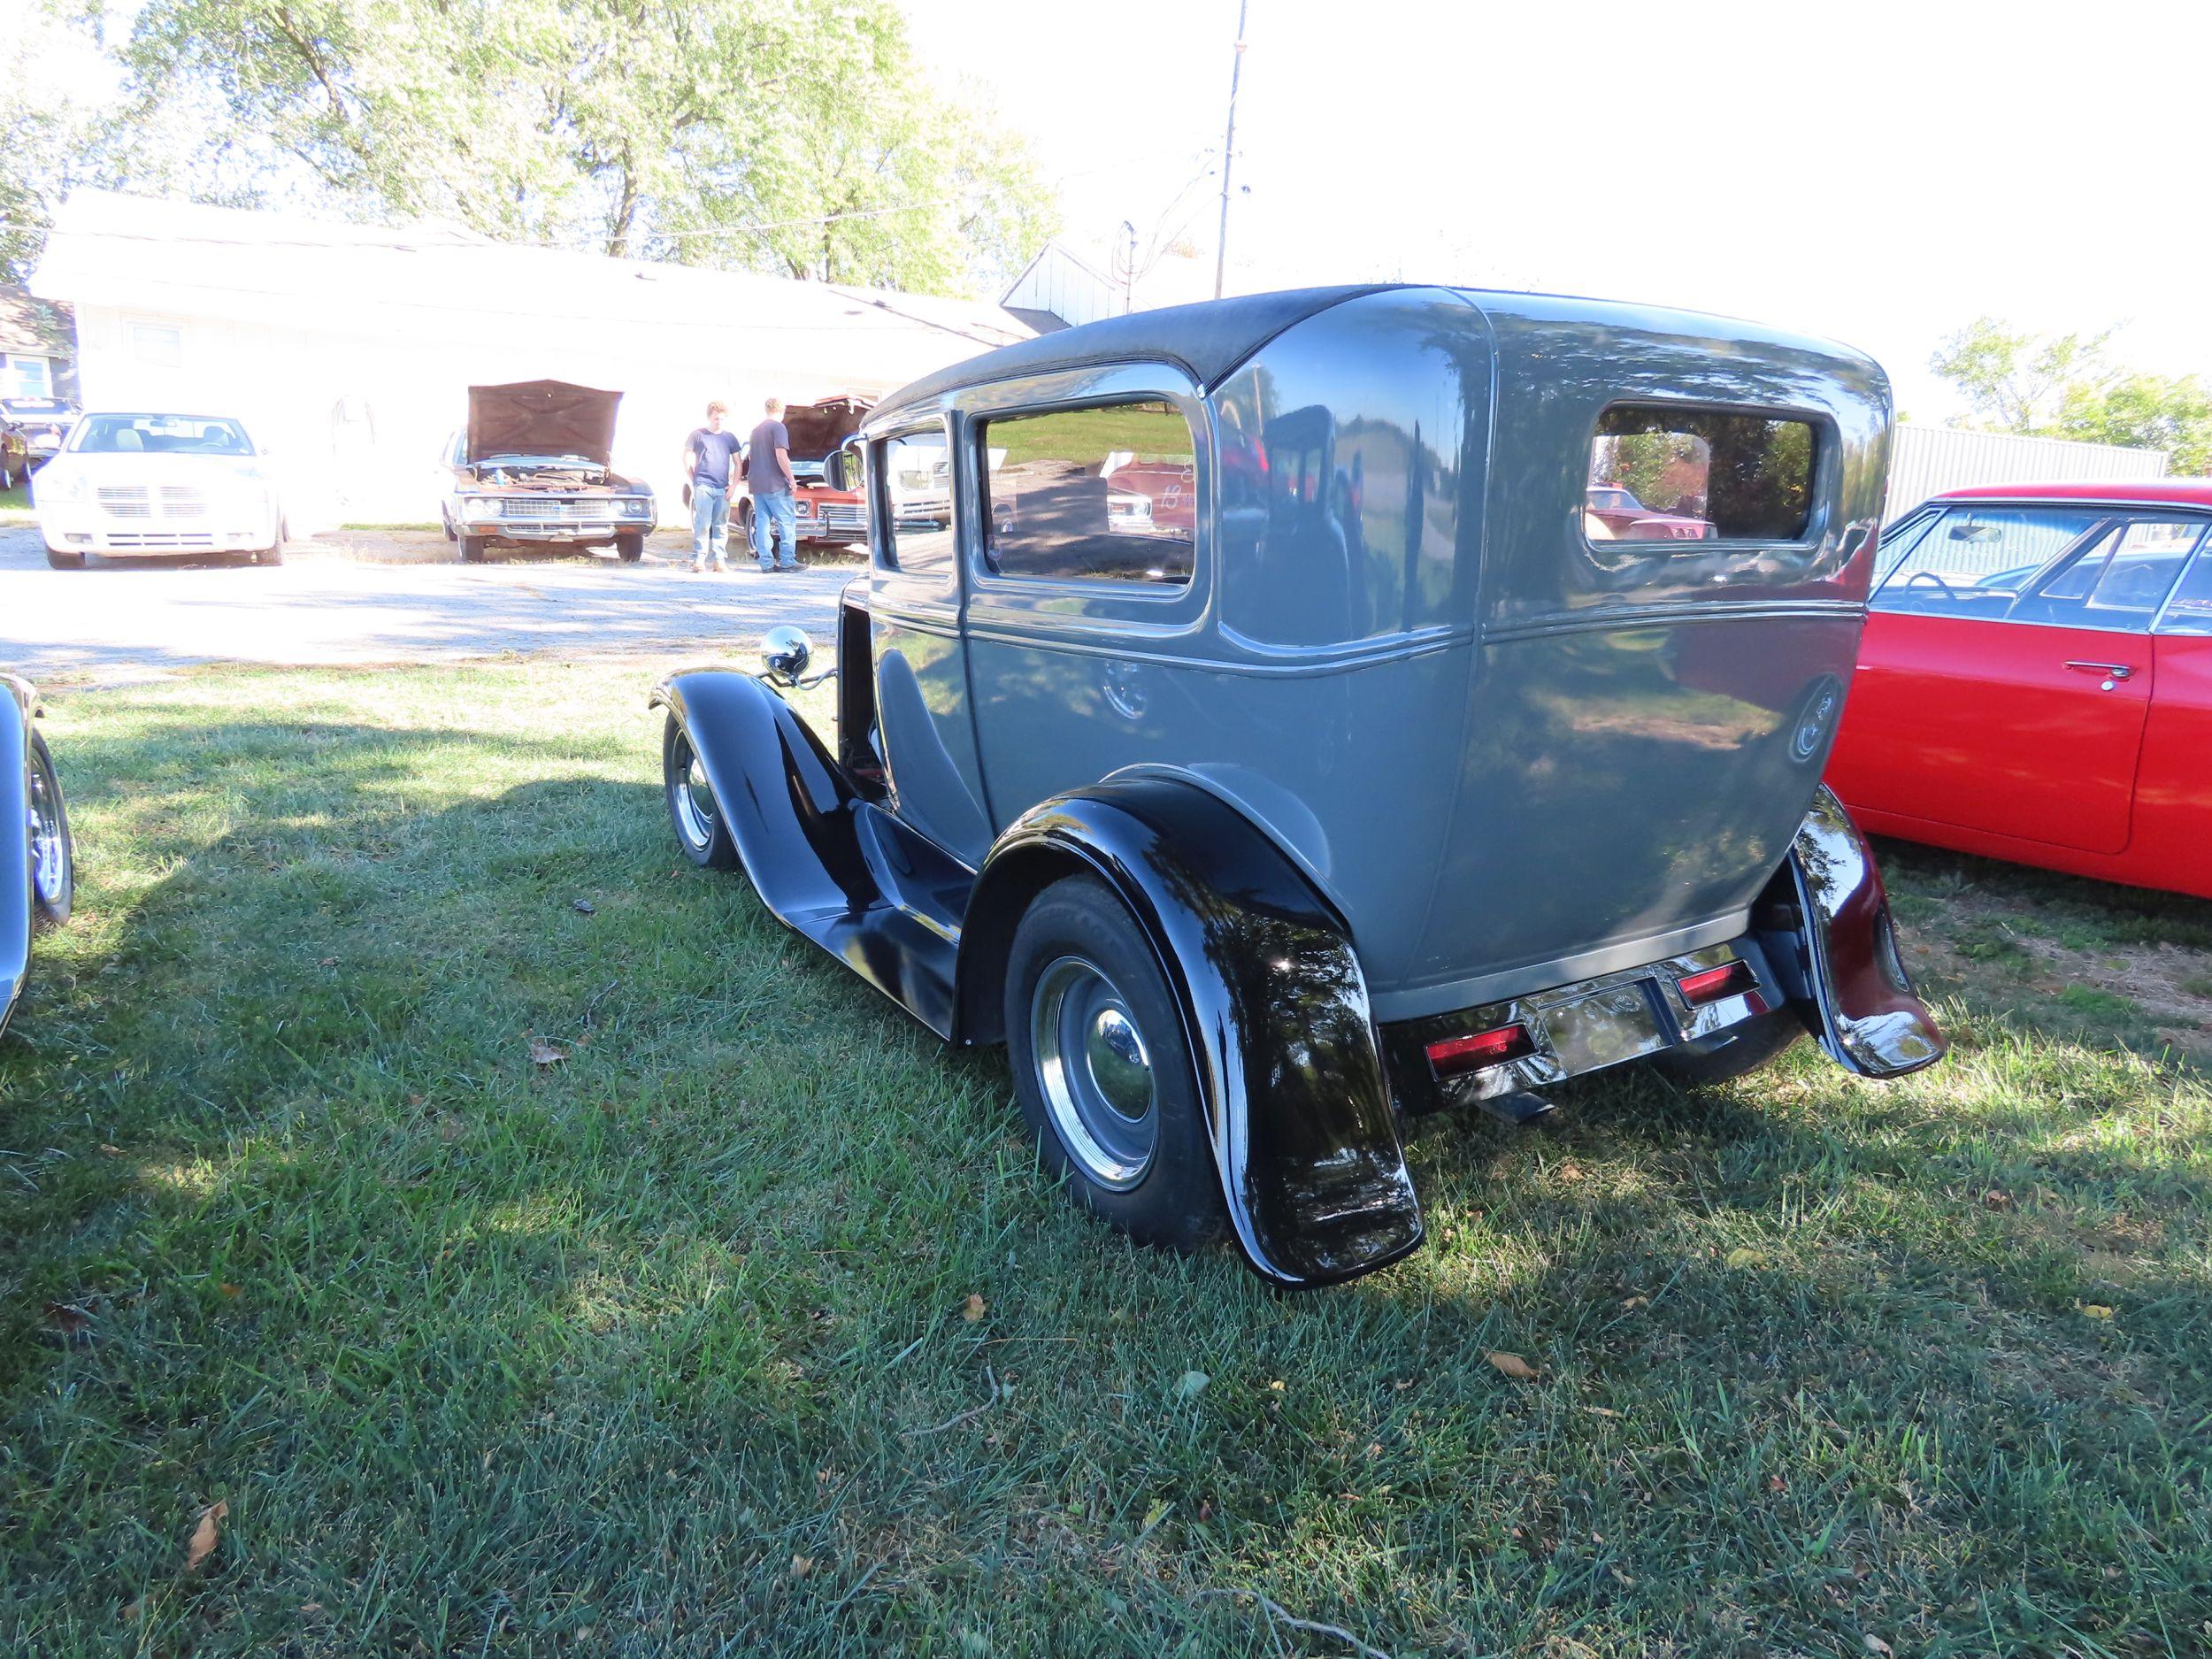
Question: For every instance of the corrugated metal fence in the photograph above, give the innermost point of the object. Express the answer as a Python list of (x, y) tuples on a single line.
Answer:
[(1925, 461)]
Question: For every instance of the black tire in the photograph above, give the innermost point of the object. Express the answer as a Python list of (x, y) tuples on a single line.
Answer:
[(472, 550), (53, 854), (1732, 1053), (274, 555), (741, 525), (65, 561), (691, 809), (1166, 1193), (631, 548), (446, 519)]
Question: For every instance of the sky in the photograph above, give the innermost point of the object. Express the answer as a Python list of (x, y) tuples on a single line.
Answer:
[(1879, 173)]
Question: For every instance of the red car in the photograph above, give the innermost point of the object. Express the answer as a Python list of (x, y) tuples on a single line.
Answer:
[(2035, 681)]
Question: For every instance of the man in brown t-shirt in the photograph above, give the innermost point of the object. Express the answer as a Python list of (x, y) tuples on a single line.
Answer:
[(768, 476)]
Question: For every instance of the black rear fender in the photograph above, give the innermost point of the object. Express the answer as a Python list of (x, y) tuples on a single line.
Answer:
[(1273, 1002), (1825, 925)]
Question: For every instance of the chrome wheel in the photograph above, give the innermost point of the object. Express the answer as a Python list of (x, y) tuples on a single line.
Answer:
[(1095, 1073), (693, 795), (50, 875)]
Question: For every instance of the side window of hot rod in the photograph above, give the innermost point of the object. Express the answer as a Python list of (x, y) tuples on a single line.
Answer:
[(1104, 493), (912, 478), (1659, 473)]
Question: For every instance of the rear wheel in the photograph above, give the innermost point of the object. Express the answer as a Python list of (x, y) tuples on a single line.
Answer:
[(53, 854), (700, 830), (1732, 1053), (630, 547), (65, 561), (472, 550), (1102, 1070)]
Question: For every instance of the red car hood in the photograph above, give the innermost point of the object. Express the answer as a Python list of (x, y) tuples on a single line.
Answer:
[(542, 417)]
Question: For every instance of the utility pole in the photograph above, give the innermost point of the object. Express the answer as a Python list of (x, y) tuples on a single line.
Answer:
[(1229, 151)]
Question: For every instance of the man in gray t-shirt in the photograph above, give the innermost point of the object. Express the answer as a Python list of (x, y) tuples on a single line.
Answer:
[(768, 475)]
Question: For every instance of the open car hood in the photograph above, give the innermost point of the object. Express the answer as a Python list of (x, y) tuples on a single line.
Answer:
[(542, 417)]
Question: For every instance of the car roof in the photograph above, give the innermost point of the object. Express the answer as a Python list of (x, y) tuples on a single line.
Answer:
[(2180, 492), (1207, 340)]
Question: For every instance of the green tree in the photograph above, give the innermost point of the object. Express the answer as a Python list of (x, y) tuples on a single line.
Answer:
[(798, 136), (2064, 385)]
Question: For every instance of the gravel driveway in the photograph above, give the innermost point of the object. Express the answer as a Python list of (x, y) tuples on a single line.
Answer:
[(385, 597)]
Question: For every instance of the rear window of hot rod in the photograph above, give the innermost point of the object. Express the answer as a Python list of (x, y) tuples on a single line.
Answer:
[(1659, 473)]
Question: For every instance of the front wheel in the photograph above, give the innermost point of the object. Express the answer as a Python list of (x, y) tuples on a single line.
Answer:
[(472, 550), (1102, 1070), (62, 561), (1732, 1053), (700, 830), (631, 548), (53, 854)]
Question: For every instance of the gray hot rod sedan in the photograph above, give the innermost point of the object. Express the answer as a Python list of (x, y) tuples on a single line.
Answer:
[(1275, 741)]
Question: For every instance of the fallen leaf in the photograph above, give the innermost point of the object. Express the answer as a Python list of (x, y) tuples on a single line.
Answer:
[(1775, 1483), (584, 907), (1744, 1256), (1629, 1304), (1191, 1384), (971, 1309), (129, 1614), (1601, 1411), (2094, 1309), (1512, 1365), (1997, 1199), (801, 1565), (229, 1289), (68, 1320), (1570, 1172), (1876, 1646), (310, 1607), (544, 1053), (107, 1151), (206, 1535)]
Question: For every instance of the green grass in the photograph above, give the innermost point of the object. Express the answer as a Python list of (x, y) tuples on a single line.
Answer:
[(661, 1348)]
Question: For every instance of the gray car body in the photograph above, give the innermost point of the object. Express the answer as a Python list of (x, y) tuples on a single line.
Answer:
[(1509, 756)]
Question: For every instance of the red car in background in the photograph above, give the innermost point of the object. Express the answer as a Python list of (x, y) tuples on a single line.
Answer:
[(2035, 681)]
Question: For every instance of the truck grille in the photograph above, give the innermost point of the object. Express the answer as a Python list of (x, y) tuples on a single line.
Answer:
[(841, 516)]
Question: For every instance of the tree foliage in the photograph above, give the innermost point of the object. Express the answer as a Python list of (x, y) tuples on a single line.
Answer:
[(796, 136), (2066, 386)]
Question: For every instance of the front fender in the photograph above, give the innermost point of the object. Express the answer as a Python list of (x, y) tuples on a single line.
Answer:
[(1825, 927), (17, 910), (1274, 1008)]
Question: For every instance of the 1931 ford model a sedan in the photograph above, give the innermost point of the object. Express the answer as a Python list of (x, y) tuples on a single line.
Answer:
[(1275, 739)]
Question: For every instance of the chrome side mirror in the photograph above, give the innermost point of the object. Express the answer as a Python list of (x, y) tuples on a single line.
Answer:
[(785, 653), (840, 468)]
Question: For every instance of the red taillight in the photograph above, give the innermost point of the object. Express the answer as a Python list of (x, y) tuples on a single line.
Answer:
[(1731, 978), (1457, 1055)]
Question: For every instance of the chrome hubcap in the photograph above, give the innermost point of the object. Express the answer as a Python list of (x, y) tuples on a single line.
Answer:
[(695, 797), (49, 857), (1095, 1073)]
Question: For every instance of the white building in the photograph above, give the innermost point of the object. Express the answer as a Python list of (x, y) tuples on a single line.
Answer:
[(1925, 461), (348, 349)]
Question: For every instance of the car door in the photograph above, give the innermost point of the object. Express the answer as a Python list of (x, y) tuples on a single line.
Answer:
[(1085, 594), (2173, 789), (926, 728), (2006, 671)]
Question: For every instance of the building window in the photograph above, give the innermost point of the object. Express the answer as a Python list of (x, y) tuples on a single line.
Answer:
[(27, 377), (157, 345), (1660, 473), (1108, 494)]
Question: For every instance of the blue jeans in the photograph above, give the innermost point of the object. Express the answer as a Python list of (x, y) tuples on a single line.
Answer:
[(710, 523), (774, 511)]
